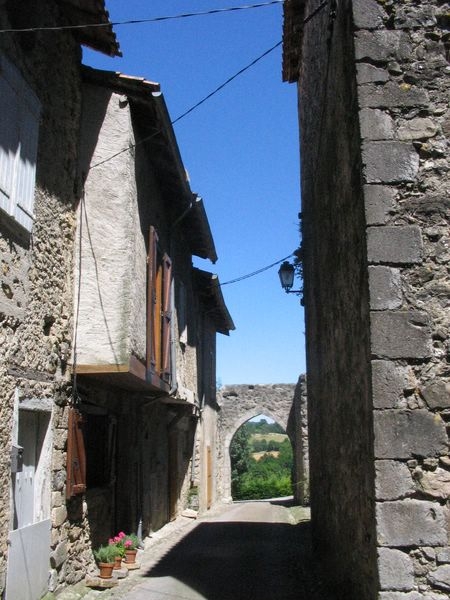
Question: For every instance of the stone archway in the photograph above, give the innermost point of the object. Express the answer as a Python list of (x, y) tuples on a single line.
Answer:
[(285, 404)]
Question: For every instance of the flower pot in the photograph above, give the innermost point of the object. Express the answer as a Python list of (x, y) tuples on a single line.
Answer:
[(130, 557), (118, 562), (106, 570)]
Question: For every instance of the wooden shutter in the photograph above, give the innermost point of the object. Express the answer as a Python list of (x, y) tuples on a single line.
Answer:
[(157, 318), (151, 297), (159, 309), (76, 456), (26, 173), (166, 318), (9, 143), (19, 128)]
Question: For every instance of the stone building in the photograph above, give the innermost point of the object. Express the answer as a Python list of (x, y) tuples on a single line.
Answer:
[(107, 347), (373, 102)]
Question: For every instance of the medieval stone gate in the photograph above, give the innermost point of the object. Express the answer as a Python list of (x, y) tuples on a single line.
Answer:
[(285, 404)]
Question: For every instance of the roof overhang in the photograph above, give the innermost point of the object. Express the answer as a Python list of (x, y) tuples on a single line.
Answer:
[(210, 294), (91, 12), (198, 232)]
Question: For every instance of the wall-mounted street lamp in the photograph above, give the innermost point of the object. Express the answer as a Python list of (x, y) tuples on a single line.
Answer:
[(286, 274)]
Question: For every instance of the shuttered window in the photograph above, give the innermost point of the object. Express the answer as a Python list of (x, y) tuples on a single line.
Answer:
[(19, 127), (76, 455), (159, 311)]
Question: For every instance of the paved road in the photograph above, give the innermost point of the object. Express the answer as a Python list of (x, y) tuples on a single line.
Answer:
[(252, 551)]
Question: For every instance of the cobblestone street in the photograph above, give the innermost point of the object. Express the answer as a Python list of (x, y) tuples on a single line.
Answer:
[(252, 550)]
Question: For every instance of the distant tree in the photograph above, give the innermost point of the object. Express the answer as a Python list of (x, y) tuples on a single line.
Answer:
[(239, 456), (276, 428), (259, 445), (273, 445), (286, 457)]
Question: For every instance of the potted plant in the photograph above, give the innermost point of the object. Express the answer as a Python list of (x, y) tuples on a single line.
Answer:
[(105, 557), (131, 543), (118, 542)]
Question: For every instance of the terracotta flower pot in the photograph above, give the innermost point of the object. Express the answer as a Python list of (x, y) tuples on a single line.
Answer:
[(130, 556), (118, 562), (106, 570)]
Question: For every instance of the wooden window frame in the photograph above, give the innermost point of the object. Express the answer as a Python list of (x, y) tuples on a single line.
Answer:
[(159, 311)]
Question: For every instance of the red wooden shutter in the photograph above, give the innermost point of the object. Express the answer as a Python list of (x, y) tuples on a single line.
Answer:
[(151, 297), (166, 318), (76, 455)]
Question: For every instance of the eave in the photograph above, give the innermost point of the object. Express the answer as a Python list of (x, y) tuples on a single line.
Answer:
[(210, 294), (198, 232), (91, 12)]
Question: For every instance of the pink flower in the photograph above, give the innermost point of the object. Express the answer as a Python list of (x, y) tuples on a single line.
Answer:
[(121, 534), (111, 541), (128, 543)]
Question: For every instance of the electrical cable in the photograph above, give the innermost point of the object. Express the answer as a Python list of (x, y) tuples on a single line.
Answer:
[(216, 90), (255, 272), (139, 21), (229, 80), (192, 108)]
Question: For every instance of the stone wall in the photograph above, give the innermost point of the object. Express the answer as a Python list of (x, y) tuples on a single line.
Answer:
[(285, 404), (373, 91), (336, 306), (36, 290), (402, 76)]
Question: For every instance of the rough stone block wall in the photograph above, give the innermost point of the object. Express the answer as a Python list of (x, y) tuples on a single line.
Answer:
[(401, 49), (36, 290), (342, 493), (373, 102)]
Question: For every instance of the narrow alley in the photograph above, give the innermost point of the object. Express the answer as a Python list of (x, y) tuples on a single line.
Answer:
[(251, 550)]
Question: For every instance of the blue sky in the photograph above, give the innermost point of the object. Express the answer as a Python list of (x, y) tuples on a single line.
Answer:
[(241, 151)]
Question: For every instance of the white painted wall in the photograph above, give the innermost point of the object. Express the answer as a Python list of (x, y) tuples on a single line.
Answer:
[(108, 221)]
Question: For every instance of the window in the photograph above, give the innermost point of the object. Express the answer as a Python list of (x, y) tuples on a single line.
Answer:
[(159, 311), (19, 125)]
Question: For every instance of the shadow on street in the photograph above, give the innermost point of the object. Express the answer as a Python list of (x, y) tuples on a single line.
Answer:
[(237, 560)]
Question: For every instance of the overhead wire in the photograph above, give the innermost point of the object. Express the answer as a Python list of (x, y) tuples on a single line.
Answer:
[(192, 108), (253, 273), (213, 11), (222, 85)]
